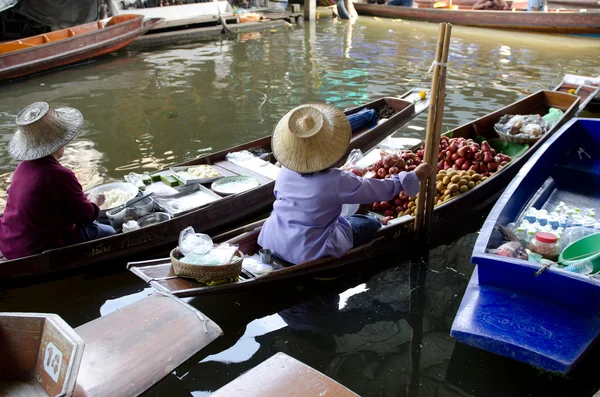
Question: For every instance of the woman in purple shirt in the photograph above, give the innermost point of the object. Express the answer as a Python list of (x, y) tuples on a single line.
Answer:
[(306, 222), (46, 206)]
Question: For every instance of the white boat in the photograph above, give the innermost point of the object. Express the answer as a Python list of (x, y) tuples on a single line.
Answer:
[(179, 16)]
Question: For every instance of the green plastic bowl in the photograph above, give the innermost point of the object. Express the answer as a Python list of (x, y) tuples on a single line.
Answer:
[(585, 248)]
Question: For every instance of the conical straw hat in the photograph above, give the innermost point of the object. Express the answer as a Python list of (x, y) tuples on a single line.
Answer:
[(311, 138), (43, 130)]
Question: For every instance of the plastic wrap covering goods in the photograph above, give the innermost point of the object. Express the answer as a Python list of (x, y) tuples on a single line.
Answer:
[(58, 14)]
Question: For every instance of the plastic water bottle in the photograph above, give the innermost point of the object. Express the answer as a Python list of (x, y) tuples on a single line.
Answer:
[(530, 215), (531, 235), (542, 218), (581, 267), (521, 233)]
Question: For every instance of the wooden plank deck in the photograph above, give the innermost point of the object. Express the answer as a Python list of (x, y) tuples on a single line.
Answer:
[(128, 351), (282, 375)]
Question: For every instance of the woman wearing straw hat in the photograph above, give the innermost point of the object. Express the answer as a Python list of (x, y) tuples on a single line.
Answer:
[(46, 207), (306, 221)]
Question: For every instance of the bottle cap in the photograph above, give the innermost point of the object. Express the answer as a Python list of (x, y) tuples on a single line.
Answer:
[(546, 237)]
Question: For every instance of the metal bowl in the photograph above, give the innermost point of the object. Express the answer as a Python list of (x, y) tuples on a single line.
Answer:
[(126, 186), (131, 211), (153, 219)]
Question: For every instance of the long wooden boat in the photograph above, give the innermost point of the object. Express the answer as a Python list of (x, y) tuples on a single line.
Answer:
[(564, 22), (282, 375), (160, 274), (121, 354), (63, 47), (553, 4), (587, 88), (548, 320), (214, 216)]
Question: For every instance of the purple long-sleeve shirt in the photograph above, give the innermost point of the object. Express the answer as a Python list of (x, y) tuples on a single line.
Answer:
[(45, 204), (306, 223)]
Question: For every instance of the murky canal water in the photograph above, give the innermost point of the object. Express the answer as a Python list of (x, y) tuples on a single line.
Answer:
[(147, 110)]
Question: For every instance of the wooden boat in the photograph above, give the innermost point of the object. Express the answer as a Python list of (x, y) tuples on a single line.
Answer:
[(548, 320), (587, 88), (160, 274), (564, 22), (282, 375), (67, 46), (553, 4), (146, 341), (218, 214)]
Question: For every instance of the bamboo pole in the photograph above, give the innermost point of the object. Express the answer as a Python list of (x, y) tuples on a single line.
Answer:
[(434, 122), (435, 146)]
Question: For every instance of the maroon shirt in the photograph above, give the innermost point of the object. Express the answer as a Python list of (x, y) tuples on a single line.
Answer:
[(45, 204)]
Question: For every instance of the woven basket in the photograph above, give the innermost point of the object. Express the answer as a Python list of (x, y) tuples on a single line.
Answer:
[(515, 139), (208, 273)]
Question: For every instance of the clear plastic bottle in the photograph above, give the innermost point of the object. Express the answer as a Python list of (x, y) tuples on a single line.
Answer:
[(546, 245), (581, 267), (542, 218), (530, 215), (553, 221), (521, 233), (530, 235)]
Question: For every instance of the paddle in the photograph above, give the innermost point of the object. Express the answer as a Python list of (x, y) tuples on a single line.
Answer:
[(432, 139)]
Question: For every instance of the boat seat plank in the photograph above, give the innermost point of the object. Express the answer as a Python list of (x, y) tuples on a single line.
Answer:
[(129, 350), (282, 375), (243, 171)]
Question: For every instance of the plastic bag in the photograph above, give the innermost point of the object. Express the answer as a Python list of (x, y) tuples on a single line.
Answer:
[(351, 163), (529, 126), (218, 256), (554, 115), (365, 118), (254, 265), (572, 234), (512, 249), (191, 242)]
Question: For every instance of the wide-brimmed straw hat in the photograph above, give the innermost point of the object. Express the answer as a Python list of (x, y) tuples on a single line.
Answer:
[(43, 130), (311, 138)]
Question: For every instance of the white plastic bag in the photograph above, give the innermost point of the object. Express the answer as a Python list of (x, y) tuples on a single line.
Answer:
[(191, 242)]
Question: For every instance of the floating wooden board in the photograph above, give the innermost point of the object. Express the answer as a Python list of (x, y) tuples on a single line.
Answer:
[(282, 375), (129, 350)]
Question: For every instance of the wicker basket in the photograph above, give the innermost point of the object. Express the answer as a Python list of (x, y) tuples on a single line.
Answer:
[(208, 273), (516, 139)]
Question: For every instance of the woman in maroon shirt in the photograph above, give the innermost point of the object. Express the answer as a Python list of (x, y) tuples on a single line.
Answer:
[(46, 206)]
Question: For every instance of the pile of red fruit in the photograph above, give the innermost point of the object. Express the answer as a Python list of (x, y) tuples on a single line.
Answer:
[(465, 154), (391, 164)]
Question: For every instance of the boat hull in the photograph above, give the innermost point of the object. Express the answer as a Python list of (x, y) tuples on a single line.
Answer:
[(525, 328), (160, 274), (79, 48), (211, 218), (567, 304), (551, 22)]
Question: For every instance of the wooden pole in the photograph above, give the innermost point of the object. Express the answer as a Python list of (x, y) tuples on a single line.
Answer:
[(425, 200), (435, 146)]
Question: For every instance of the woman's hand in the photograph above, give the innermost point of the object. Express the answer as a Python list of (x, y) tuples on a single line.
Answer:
[(423, 171), (97, 198)]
